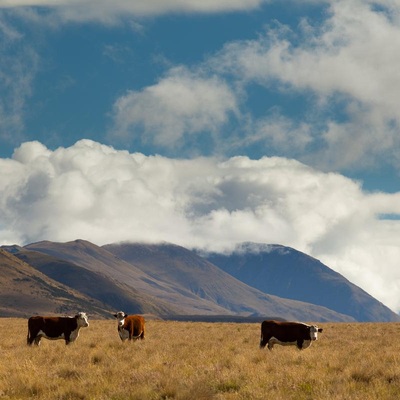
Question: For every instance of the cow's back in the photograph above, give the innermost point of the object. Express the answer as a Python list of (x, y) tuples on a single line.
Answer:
[(287, 331)]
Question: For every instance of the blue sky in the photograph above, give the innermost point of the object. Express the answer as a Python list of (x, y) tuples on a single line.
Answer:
[(64, 75), (206, 123)]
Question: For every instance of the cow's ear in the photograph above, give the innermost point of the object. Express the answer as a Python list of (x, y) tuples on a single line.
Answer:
[(115, 315), (125, 315), (320, 330)]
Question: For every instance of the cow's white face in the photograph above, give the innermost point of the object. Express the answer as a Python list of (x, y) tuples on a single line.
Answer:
[(314, 332), (82, 320), (120, 315)]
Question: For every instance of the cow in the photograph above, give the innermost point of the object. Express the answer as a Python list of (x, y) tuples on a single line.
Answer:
[(54, 328), (288, 333), (130, 326)]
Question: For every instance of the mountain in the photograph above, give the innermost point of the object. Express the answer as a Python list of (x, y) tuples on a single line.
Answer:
[(288, 273), (24, 292), (170, 281), (186, 271), (113, 294), (180, 278), (98, 260)]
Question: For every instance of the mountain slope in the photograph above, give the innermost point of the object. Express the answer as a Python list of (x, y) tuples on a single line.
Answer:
[(99, 260), (185, 270), (26, 291), (114, 295), (288, 273)]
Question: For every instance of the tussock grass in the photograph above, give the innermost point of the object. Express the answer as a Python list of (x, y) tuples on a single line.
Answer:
[(202, 361)]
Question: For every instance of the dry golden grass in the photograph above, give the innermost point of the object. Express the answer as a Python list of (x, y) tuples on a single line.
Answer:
[(201, 361)]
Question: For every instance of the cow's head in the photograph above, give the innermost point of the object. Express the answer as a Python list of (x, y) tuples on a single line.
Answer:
[(314, 332), (120, 315), (82, 319)]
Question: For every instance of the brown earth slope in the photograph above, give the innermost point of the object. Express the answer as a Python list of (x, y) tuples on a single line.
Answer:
[(24, 291)]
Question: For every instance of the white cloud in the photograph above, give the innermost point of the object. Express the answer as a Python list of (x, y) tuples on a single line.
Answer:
[(18, 66), (179, 105), (281, 134), (95, 192), (110, 11), (349, 63)]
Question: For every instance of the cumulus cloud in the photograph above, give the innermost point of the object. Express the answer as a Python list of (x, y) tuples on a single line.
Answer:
[(181, 104), (95, 192)]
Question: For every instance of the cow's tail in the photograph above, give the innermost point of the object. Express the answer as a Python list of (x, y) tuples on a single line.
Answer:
[(137, 337)]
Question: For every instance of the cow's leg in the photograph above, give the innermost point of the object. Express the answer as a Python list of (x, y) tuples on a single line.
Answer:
[(142, 335), (37, 340), (32, 336), (300, 344), (263, 342), (67, 338), (270, 345)]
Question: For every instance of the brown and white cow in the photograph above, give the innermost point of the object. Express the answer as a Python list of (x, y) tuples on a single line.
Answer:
[(130, 326), (54, 328), (288, 333)]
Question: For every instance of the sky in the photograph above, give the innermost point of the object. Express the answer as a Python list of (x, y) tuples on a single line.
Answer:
[(206, 124)]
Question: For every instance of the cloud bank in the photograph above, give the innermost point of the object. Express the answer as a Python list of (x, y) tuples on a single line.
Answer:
[(95, 192)]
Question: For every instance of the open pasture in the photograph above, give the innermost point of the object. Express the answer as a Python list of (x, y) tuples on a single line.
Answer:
[(199, 361)]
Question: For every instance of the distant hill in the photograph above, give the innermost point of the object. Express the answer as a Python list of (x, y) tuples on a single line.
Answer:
[(24, 292), (286, 272)]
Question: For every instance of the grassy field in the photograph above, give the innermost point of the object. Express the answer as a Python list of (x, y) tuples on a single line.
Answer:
[(199, 361)]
